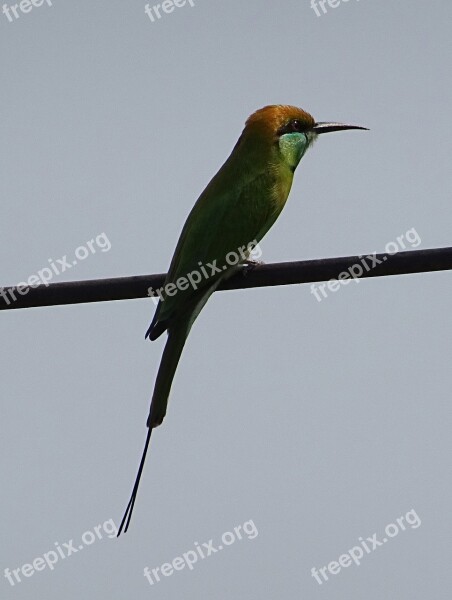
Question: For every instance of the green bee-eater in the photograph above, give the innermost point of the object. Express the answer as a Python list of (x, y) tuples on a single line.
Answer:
[(232, 214)]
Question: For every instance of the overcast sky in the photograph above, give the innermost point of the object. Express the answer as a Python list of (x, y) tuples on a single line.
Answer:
[(305, 424)]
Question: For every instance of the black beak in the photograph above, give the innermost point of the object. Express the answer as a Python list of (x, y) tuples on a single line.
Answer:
[(325, 127)]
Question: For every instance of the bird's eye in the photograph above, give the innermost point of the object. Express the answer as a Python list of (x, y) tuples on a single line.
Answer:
[(293, 126)]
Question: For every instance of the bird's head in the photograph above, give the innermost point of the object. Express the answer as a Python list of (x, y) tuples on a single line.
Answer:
[(289, 129)]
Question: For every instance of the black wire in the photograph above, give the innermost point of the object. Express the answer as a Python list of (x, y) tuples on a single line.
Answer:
[(288, 273)]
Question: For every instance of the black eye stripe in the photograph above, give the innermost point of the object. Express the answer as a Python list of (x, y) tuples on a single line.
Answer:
[(293, 126)]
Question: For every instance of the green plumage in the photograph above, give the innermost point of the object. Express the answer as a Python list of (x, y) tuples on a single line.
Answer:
[(238, 207)]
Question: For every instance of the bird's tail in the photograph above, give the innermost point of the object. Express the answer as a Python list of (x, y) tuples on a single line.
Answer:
[(167, 369)]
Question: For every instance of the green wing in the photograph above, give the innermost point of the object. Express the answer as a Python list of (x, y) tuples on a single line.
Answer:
[(220, 222)]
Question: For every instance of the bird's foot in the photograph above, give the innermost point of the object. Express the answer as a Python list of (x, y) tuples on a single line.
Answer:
[(250, 264)]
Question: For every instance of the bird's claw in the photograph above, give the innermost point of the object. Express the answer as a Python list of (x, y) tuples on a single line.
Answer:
[(249, 265)]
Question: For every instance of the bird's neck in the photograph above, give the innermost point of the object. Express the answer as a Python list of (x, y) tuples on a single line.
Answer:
[(292, 147)]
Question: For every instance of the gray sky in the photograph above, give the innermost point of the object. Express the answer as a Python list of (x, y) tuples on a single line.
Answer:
[(309, 424)]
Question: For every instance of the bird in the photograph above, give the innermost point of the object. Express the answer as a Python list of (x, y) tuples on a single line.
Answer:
[(235, 211)]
